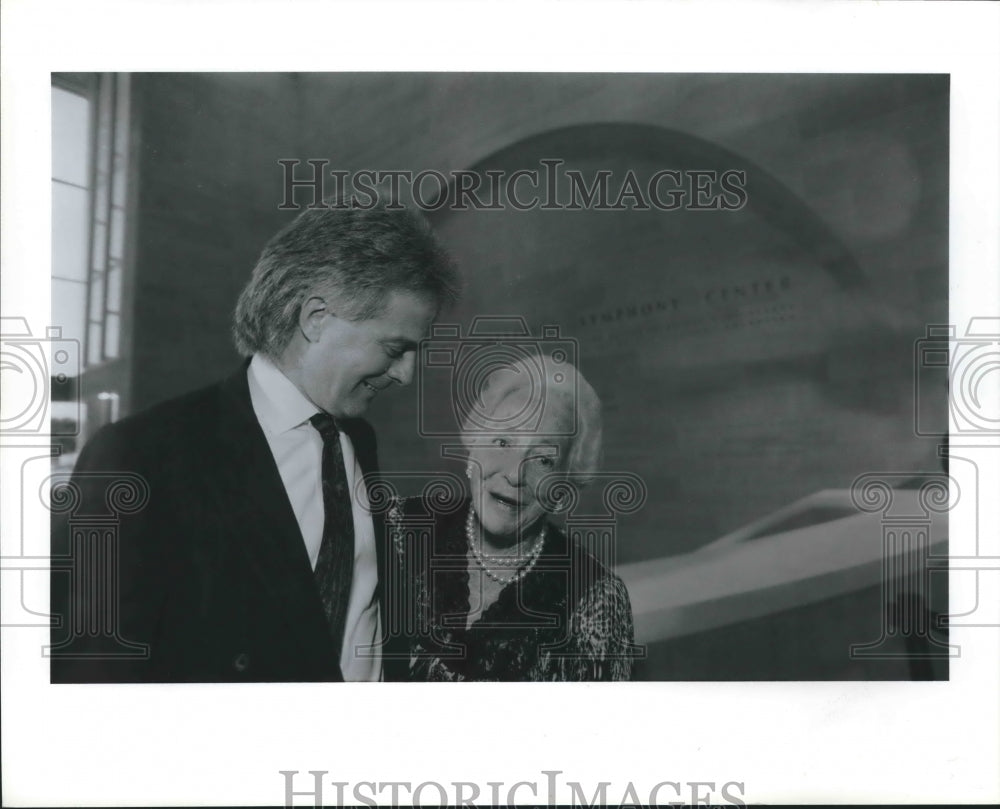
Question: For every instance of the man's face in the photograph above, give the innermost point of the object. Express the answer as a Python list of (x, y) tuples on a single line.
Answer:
[(351, 362)]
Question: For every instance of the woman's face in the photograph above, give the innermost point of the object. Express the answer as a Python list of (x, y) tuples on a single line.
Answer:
[(505, 474)]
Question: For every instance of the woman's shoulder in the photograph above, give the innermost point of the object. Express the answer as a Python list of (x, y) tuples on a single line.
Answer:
[(592, 580), (578, 556), (600, 615)]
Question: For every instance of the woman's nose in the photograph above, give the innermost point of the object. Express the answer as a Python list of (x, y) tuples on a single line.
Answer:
[(512, 469)]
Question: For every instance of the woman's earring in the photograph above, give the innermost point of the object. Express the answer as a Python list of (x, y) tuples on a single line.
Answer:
[(468, 471)]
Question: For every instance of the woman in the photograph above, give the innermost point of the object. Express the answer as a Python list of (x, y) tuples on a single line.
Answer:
[(495, 589)]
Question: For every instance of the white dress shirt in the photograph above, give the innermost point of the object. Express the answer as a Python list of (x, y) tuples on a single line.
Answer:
[(284, 412)]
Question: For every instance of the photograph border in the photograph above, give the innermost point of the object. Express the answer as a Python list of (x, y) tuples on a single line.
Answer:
[(783, 742)]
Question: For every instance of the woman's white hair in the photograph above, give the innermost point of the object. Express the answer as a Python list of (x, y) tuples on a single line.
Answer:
[(553, 391)]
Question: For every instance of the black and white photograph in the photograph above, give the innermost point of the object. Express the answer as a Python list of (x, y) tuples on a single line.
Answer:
[(688, 303), (630, 395)]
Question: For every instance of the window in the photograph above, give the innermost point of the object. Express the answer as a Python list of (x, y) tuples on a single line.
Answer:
[(90, 139)]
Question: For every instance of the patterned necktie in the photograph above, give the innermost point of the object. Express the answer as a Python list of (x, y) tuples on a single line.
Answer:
[(335, 564)]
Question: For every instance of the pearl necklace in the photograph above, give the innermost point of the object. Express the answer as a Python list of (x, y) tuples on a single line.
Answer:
[(523, 563)]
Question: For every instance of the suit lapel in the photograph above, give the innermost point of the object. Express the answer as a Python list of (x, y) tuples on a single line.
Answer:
[(254, 500)]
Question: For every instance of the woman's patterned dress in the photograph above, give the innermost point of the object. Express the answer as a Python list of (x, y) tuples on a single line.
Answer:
[(569, 618)]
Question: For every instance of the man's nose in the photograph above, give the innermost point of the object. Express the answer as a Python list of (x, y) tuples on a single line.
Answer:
[(401, 371)]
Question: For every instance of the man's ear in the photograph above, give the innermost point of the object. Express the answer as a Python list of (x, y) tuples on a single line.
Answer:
[(311, 317)]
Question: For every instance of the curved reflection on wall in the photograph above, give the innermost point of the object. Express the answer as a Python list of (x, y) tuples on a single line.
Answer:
[(743, 359)]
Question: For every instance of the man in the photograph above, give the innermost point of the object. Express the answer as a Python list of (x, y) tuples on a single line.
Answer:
[(243, 548)]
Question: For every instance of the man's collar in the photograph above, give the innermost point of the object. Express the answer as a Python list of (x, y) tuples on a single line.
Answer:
[(279, 405)]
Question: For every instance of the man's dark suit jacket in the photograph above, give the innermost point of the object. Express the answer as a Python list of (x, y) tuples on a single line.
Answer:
[(213, 578)]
